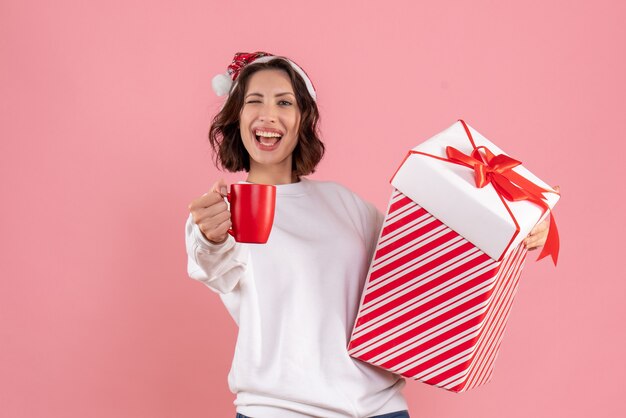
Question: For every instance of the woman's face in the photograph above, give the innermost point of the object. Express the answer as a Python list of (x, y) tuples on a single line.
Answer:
[(269, 120)]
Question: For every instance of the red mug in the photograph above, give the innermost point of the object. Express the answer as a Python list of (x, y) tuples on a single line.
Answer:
[(251, 211)]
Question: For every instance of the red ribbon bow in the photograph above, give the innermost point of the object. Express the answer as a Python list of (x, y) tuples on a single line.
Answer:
[(498, 170)]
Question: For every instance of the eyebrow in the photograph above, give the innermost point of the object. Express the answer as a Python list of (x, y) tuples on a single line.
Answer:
[(276, 95)]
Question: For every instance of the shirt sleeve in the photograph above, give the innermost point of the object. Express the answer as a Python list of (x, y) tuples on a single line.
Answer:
[(374, 226), (219, 266)]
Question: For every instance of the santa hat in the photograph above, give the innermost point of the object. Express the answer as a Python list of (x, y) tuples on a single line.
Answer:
[(223, 83)]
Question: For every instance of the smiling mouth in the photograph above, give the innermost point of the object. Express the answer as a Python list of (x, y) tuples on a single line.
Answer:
[(267, 138)]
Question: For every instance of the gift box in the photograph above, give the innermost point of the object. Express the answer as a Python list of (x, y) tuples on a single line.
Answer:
[(448, 260)]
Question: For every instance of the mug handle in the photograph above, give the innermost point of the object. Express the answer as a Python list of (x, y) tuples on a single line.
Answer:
[(230, 230)]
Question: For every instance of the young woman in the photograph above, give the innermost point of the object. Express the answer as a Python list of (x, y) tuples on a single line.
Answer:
[(295, 298)]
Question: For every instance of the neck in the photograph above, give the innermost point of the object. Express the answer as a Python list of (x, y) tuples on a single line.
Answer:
[(271, 175)]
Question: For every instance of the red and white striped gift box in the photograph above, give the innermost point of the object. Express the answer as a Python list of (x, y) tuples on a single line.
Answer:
[(434, 306)]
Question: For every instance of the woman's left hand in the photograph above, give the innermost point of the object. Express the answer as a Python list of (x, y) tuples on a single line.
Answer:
[(538, 235)]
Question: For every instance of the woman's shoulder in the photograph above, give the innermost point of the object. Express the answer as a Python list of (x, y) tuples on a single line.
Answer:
[(326, 186), (334, 189), (362, 213)]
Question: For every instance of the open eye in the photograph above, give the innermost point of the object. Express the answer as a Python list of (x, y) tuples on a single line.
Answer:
[(285, 103)]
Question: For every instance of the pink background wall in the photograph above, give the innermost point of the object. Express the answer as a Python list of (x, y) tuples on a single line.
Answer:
[(104, 115)]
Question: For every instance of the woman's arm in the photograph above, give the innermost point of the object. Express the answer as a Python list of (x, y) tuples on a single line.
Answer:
[(219, 266), (214, 257)]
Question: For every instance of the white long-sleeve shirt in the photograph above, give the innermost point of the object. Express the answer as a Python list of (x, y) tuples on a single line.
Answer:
[(295, 300)]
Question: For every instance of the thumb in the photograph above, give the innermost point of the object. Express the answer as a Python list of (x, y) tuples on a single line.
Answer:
[(220, 187)]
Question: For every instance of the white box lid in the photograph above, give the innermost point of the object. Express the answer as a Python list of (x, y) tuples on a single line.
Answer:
[(449, 192)]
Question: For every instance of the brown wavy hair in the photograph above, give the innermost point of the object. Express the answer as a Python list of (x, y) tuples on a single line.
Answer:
[(225, 138)]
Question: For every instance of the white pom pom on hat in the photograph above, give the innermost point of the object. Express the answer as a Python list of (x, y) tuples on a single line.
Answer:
[(223, 83)]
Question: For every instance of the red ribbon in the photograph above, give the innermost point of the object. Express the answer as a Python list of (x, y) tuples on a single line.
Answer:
[(498, 170)]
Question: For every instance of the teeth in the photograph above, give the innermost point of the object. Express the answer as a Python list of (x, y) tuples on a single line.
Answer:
[(268, 134)]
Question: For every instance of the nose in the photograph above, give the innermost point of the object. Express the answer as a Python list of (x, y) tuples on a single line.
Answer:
[(267, 114)]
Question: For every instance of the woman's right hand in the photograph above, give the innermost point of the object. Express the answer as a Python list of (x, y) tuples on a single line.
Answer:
[(210, 212)]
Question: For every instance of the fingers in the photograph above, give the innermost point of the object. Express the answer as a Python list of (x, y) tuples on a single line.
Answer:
[(221, 217), (534, 241), (210, 212), (216, 194), (209, 225), (540, 227), (222, 229), (537, 236), (215, 231), (221, 187), (219, 207), (206, 200), (211, 215)]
